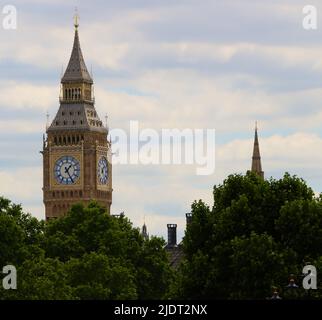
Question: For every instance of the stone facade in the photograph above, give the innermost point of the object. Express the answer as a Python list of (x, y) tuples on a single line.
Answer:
[(76, 150)]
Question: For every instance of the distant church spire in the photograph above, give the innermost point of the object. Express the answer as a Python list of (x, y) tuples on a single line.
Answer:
[(256, 160), (145, 232)]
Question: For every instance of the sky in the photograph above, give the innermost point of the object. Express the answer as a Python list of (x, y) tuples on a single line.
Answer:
[(168, 64)]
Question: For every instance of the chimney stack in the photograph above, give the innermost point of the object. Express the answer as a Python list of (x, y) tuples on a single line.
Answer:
[(172, 234)]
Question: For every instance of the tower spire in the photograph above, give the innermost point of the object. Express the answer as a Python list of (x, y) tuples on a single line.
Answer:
[(77, 109), (76, 70), (144, 231), (256, 159)]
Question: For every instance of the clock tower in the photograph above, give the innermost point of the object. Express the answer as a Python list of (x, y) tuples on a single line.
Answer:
[(76, 150)]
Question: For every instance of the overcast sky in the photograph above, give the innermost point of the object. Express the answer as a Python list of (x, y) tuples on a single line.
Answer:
[(168, 64)]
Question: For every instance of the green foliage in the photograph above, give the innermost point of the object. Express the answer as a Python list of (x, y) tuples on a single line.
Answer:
[(257, 233), (41, 279), (86, 254), (257, 263), (96, 276), (20, 234), (154, 273), (300, 226)]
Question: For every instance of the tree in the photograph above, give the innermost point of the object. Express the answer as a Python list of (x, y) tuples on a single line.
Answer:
[(87, 230), (20, 234), (99, 277), (300, 226), (257, 233), (41, 279), (87, 254), (153, 269)]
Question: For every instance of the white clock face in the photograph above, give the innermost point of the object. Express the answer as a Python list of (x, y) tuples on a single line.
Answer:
[(102, 170), (67, 170)]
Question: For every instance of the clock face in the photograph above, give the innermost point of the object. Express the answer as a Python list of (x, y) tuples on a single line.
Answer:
[(102, 170), (67, 170)]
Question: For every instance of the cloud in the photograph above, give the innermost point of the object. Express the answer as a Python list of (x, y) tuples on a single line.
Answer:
[(20, 126), (161, 186), (297, 153), (22, 185), (183, 64), (163, 194), (153, 192), (19, 95)]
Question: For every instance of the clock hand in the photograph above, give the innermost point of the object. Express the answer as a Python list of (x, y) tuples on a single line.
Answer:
[(67, 169), (70, 176)]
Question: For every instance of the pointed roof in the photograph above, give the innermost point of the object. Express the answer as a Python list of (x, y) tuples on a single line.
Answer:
[(256, 159), (145, 232), (77, 115), (76, 70)]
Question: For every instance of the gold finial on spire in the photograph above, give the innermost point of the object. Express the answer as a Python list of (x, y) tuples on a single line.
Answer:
[(76, 18)]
